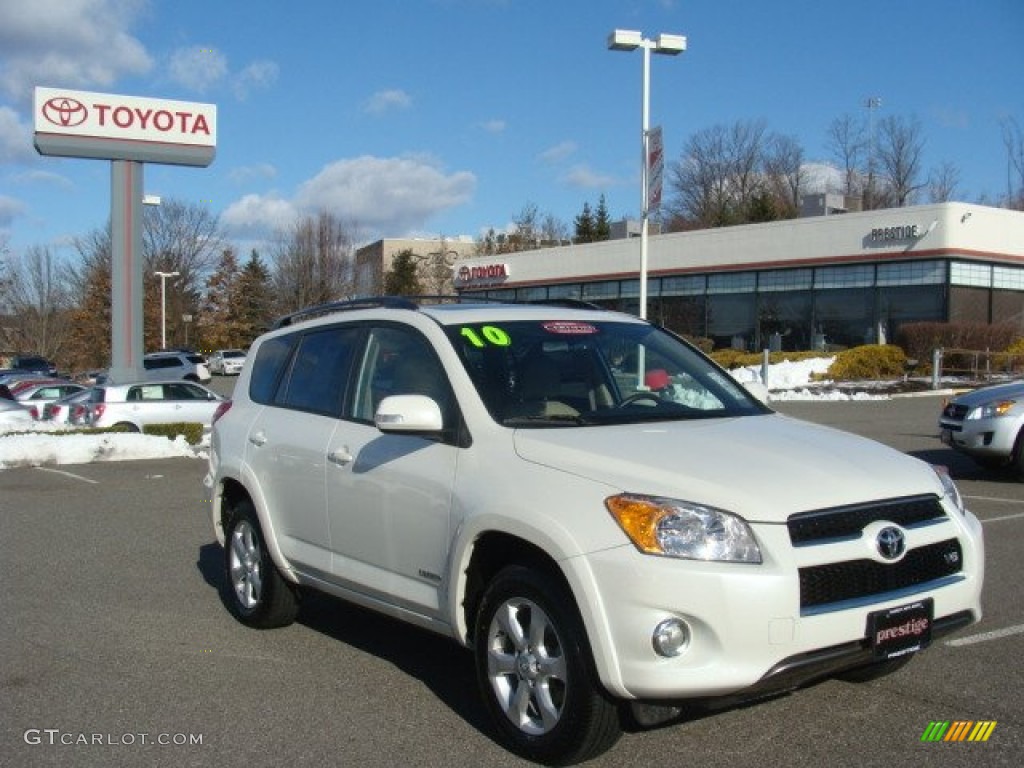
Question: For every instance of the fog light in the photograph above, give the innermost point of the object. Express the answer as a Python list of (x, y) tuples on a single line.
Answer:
[(671, 637)]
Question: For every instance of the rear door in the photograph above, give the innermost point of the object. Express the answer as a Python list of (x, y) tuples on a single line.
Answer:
[(287, 444)]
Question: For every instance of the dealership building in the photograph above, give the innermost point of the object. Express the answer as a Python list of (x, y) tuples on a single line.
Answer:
[(839, 279)]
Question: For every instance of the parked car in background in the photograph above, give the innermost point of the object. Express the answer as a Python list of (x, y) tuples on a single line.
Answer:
[(227, 362), (31, 364), (189, 366), (72, 410), (13, 414), (37, 394), (151, 402), (987, 424)]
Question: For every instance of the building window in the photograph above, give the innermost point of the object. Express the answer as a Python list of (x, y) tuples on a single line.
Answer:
[(733, 282), (1011, 278), (688, 285), (785, 280), (605, 290), (961, 273), (912, 273), (564, 291), (860, 276), (535, 293)]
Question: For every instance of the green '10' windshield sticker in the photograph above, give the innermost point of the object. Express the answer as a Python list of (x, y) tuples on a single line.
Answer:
[(487, 334)]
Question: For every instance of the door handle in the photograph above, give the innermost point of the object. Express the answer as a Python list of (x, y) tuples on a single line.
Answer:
[(340, 456)]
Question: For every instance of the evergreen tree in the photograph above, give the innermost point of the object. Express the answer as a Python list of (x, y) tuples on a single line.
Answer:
[(602, 224), (218, 325), (255, 300), (402, 279), (584, 226)]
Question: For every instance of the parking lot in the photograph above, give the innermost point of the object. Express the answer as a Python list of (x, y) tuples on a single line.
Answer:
[(118, 650)]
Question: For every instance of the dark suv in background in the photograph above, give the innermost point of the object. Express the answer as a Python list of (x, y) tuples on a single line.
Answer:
[(31, 364)]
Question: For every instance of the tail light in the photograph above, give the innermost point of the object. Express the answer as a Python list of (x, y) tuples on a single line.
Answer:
[(221, 410), (35, 412)]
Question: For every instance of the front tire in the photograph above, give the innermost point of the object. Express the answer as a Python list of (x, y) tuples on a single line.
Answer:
[(257, 594), (535, 672)]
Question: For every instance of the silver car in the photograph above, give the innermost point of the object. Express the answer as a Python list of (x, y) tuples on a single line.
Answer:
[(986, 424), (14, 415), (227, 362), (152, 402), (38, 395)]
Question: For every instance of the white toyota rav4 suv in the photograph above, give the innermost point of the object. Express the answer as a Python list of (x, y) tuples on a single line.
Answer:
[(608, 520)]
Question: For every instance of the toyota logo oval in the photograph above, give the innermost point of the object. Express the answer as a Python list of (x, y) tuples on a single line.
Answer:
[(65, 112), (891, 543)]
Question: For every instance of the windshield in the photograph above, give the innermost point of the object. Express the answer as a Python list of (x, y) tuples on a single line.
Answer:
[(563, 373)]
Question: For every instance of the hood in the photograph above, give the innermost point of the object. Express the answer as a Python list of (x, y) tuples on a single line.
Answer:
[(763, 468), (1011, 391)]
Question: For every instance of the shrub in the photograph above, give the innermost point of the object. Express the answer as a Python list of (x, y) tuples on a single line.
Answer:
[(193, 432), (871, 361)]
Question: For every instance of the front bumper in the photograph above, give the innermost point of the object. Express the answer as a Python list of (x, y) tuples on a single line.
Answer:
[(748, 634), (993, 438)]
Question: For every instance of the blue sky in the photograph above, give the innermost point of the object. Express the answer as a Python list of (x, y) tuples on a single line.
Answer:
[(447, 117)]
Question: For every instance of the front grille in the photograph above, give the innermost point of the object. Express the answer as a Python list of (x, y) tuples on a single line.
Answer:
[(823, 525), (854, 579), (955, 411)]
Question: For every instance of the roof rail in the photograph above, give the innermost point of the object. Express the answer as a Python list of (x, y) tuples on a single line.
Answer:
[(372, 302), (567, 303)]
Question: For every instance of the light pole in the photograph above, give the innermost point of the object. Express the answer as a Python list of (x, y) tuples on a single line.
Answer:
[(163, 305), (630, 40)]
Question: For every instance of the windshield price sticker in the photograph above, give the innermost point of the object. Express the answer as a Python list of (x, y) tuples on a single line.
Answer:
[(487, 334), (569, 328)]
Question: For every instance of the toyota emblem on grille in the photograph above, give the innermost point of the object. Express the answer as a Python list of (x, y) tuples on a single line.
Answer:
[(891, 543)]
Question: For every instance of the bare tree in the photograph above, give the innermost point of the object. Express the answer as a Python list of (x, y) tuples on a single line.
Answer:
[(1013, 140), (735, 174), (943, 183), (846, 141), (899, 149), (783, 173), (313, 263), (37, 297)]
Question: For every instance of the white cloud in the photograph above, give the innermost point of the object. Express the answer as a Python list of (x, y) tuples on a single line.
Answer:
[(70, 43), (15, 137), (246, 174), (559, 152), (258, 74), (9, 210), (386, 101), (48, 178), (386, 195), (821, 177), (494, 126), (587, 178), (258, 216), (198, 68), (381, 196)]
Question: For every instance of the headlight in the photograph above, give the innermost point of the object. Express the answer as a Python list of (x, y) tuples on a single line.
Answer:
[(992, 410), (674, 528), (950, 488)]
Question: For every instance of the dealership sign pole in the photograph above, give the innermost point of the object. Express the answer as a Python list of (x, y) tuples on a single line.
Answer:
[(129, 131)]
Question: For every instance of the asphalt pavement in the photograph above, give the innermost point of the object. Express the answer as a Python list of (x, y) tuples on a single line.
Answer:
[(117, 649)]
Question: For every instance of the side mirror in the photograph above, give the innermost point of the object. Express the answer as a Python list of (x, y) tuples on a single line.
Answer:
[(408, 414)]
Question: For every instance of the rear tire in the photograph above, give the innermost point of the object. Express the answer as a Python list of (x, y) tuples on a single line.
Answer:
[(536, 674), (257, 594)]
